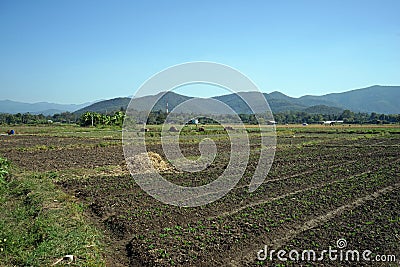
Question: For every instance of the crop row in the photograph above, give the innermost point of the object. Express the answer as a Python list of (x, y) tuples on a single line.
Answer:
[(374, 226), (298, 163), (122, 194), (241, 231)]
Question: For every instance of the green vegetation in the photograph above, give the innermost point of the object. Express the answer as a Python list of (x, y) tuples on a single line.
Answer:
[(40, 224), (158, 117), (347, 116), (94, 119), (28, 118), (323, 109), (4, 166)]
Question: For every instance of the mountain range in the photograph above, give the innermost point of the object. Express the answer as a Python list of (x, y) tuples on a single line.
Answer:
[(45, 108), (379, 99)]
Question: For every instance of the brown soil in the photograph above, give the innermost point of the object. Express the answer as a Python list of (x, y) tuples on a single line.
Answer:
[(306, 188)]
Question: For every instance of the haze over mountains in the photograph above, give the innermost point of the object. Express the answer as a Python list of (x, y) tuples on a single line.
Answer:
[(379, 99), (45, 108)]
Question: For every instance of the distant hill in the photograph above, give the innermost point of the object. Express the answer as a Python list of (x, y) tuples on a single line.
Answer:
[(379, 99), (140, 104), (106, 106), (45, 108)]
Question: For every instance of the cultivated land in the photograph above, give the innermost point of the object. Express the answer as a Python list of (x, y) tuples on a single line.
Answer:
[(69, 192)]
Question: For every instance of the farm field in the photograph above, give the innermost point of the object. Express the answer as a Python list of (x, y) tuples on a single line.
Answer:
[(326, 183)]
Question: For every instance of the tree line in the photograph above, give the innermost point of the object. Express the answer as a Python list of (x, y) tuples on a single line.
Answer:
[(346, 116), (158, 117), (28, 118), (86, 119)]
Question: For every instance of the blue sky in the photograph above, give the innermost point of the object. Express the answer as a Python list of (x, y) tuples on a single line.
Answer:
[(78, 51)]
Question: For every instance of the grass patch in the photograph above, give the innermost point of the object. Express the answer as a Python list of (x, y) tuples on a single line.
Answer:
[(4, 166), (65, 130), (41, 224), (69, 146)]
